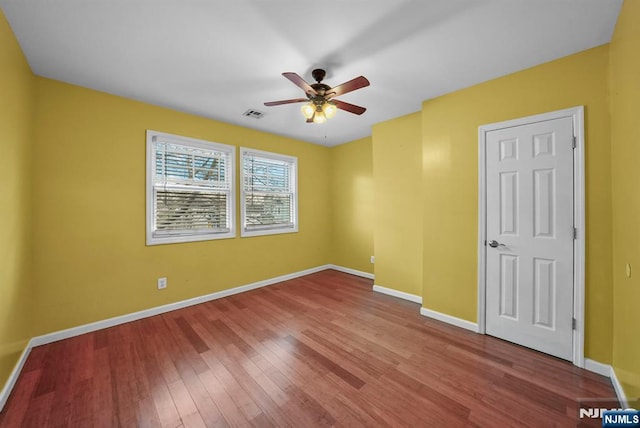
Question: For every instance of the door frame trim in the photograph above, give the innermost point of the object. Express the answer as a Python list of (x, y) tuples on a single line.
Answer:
[(577, 115)]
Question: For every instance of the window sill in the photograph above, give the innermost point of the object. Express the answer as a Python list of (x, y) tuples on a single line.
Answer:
[(250, 233), (160, 240)]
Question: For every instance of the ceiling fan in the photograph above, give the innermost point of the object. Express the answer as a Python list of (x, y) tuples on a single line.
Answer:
[(320, 102)]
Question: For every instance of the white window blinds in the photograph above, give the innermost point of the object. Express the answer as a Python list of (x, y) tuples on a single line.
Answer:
[(190, 188), (269, 195)]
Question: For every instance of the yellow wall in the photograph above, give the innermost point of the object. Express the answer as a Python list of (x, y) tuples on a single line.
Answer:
[(16, 107), (352, 205), (625, 111), (397, 148), (91, 262), (450, 170)]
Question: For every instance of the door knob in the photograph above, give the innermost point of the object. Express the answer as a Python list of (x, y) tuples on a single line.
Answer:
[(495, 244)]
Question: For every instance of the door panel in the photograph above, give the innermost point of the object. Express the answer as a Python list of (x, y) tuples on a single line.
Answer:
[(509, 286), (529, 272), (508, 203), (543, 202)]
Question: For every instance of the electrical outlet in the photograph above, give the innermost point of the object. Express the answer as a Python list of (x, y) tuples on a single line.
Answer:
[(162, 283), (628, 268), (373, 259)]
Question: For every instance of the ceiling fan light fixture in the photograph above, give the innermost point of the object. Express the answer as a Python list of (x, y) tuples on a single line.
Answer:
[(308, 110), (319, 117), (329, 109)]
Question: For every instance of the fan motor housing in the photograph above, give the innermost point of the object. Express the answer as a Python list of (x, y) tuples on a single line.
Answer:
[(318, 74)]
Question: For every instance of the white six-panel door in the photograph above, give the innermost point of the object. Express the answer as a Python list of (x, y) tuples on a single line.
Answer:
[(530, 232)]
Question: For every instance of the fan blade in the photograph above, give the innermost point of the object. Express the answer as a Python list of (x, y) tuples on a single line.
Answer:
[(351, 108), (351, 85), (299, 81), (277, 103)]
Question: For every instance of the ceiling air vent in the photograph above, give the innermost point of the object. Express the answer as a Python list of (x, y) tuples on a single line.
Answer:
[(253, 113)]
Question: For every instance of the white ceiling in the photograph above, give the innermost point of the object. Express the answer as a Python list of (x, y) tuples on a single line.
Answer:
[(219, 58)]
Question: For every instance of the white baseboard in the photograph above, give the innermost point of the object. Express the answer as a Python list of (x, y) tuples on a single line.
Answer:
[(591, 365), (597, 367), (608, 371), (99, 325), (351, 271), (617, 386), (458, 322), (398, 294), (13, 377)]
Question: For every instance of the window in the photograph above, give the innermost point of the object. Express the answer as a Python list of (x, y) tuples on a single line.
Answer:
[(269, 193), (190, 189)]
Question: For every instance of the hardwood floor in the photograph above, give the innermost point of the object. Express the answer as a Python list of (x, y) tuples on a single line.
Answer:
[(321, 350)]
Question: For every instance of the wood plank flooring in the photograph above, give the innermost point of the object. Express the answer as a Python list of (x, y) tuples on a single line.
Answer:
[(318, 351)]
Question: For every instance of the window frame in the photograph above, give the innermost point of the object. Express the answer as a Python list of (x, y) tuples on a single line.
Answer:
[(293, 184), (151, 237)]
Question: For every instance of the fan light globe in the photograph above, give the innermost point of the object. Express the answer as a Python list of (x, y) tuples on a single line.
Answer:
[(329, 110), (308, 110), (319, 117)]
